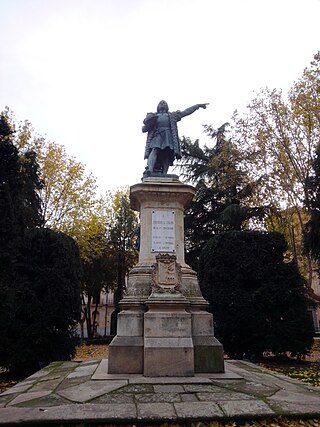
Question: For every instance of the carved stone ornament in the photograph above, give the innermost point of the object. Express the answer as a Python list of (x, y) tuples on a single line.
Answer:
[(166, 274)]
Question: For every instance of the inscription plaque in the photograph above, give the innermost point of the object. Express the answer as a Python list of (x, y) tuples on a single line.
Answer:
[(163, 231)]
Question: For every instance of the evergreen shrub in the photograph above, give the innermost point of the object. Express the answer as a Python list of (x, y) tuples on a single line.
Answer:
[(46, 303), (258, 301)]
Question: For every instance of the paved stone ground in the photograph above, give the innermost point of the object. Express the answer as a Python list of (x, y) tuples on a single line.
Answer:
[(84, 392)]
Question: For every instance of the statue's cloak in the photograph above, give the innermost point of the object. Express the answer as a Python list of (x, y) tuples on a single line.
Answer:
[(150, 126)]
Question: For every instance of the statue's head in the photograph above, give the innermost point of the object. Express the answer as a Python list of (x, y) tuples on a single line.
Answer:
[(162, 107)]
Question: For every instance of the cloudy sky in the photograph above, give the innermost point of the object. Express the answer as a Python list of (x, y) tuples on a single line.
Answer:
[(86, 72)]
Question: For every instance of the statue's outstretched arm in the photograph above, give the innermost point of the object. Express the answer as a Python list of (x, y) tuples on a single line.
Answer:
[(192, 109)]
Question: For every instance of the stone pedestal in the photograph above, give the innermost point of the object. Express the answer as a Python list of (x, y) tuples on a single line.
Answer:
[(126, 349), (168, 346), (163, 327)]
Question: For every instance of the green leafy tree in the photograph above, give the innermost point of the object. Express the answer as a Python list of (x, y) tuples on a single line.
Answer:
[(98, 263), (20, 184), (67, 195), (281, 131), (258, 301), (223, 190), (46, 306), (32, 280), (67, 192), (19, 212), (122, 240), (69, 204), (312, 227)]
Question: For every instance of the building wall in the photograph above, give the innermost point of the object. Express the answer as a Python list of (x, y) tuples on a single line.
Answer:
[(316, 309), (103, 316)]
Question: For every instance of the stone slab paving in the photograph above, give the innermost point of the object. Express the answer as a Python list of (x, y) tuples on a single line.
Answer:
[(83, 392)]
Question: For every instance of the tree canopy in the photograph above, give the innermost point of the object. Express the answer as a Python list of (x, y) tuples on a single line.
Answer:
[(70, 204), (281, 132), (46, 306), (39, 269), (312, 227), (122, 240), (224, 190), (258, 301)]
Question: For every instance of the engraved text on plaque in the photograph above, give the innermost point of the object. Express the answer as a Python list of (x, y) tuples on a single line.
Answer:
[(163, 231)]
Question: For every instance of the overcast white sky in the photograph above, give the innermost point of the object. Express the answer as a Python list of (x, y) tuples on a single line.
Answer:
[(86, 72)]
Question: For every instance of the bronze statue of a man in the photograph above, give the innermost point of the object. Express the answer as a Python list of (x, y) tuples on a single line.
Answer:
[(163, 144)]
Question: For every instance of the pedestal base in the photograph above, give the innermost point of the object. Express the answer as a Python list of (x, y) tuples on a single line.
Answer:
[(163, 327), (208, 355), (168, 357), (126, 355), (168, 346), (126, 349)]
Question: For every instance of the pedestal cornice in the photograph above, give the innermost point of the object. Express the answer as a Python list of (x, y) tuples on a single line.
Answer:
[(160, 191)]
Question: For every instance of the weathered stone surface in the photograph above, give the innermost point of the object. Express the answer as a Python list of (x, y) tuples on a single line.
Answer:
[(156, 411), (160, 194), (126, 355), (249, 408), (29, 396), (71, 382), (130, 323), (168, 357), (69, 413), (253, 388), (168, 388), (208, 354), (198, 410), (157, 397), (168, 380), (162, 270), (5, 399), (296, 409), (90, 389), (293, 397), (49, 400), (167, 324), (46, 385), (123, 398), (148, 399), (18, 388), (83, 370), (202, 388), (189, 397), (135, 388)]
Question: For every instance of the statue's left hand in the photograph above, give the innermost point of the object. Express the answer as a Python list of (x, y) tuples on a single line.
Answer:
[(204, 106)]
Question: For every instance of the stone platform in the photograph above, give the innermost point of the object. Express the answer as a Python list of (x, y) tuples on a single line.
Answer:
[(83, 392)]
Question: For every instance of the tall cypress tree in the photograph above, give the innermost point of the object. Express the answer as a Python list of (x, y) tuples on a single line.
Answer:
[(19, 183), (39, 269), (19, 212)]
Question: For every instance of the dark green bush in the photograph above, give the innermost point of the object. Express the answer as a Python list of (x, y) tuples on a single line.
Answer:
[(258, 301), (39, 269), (46, 303)]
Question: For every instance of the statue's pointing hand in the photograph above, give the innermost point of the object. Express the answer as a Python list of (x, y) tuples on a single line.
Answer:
[(204, 106)]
